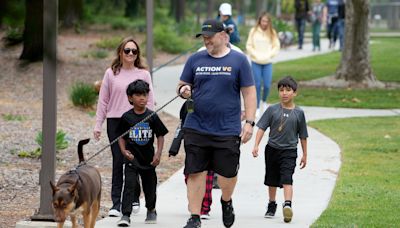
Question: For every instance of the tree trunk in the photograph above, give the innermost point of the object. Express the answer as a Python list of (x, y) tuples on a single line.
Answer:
[(355, 66), (3, 7), (198, 6), (33, 32), (180, 11), (211, 11), (71, 12), (132, 8)]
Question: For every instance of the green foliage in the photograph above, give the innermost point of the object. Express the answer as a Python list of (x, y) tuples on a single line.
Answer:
[(97, 54), (367, 191), (120, 23), (61, 144), (37, 153), (92, 113), (109, 43), (13, 36), (83, 95), (11, 117), (14, 13), (61, 141), (167, 40)]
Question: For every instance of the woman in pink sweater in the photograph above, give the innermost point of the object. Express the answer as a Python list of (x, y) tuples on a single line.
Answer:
[(126, 67)]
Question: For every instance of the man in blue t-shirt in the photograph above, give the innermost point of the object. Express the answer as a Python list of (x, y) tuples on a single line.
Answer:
[(213, 80)]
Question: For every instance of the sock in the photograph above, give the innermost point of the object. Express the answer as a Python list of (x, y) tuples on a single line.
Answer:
[(197, 217), (288, 203)]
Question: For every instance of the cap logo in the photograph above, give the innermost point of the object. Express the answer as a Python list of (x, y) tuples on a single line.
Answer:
[(206, 26)]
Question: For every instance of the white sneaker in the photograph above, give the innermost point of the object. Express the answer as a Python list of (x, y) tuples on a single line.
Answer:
[(135, 207), (205, 216), (265, 106), (114, 213)]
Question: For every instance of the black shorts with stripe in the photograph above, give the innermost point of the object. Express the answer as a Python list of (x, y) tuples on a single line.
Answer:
[(209, 152)]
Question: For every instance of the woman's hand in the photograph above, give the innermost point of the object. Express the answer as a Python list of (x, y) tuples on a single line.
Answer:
[(96, 135)]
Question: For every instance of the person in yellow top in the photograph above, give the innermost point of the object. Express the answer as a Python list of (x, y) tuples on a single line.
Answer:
[(262, 45)]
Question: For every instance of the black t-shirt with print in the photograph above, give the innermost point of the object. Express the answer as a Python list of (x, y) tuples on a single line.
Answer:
[(140, 139)]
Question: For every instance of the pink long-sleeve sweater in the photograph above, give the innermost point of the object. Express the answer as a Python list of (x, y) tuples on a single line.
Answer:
[(113, 101)]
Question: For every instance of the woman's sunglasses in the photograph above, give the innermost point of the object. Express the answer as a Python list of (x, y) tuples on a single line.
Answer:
[(127, 50)]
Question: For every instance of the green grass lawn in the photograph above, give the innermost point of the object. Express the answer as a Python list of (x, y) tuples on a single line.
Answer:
[(385, 63), (367, 191), (345, 98), (384, 59)]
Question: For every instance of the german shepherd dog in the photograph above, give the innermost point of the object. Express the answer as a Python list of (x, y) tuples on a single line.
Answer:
[(78, 190)]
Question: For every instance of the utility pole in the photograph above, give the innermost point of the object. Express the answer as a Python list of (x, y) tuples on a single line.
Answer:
[(149, 34), (49, 116)]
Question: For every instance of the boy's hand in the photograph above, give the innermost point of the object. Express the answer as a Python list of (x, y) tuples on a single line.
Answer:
[(156, 159), (128, 154), (255, 152), (303, 162)]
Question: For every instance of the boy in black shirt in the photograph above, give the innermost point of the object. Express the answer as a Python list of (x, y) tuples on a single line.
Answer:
[(137, 148)]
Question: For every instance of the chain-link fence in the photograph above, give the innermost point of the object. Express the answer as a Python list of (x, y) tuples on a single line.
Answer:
[(385, 15)]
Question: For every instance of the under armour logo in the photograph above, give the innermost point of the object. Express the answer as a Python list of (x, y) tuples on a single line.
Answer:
[(285, 114)]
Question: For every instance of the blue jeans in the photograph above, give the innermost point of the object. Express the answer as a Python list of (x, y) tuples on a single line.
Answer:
[(262, 72), (300, 25), (341, 32), (332, 32)]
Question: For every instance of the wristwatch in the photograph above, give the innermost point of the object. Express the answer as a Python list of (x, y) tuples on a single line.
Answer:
[(251, 122)]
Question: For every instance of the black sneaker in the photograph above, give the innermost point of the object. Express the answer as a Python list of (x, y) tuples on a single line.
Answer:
[(228, 215), (287, 212), (193, 222), (271, 209), (125, 221), (151, 217)]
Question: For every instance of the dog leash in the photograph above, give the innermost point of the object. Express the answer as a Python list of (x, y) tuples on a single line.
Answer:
[(115, 140)]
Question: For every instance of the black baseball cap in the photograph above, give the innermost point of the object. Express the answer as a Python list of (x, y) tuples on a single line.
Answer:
[(210, 27)]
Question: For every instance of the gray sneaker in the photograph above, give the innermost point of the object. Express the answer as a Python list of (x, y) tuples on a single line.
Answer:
[(151, 217), (287, 212), (125, 221)]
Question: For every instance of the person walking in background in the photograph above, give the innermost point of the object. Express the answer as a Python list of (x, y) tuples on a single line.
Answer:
[(137, 147), (287, 123), (317, 13), (225, 15), (302, 9), (125, 68), (331, 13), (214, 79), (262, 45), (341, 22)]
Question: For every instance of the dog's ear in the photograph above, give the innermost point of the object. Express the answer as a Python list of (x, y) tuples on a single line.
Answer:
[(55, 188), (72, 188)]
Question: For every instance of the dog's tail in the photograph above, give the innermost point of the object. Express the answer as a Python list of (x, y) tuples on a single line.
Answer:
[(80, 149)]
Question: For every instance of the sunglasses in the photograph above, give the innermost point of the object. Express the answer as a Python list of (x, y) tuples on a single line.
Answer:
[(134, 51)]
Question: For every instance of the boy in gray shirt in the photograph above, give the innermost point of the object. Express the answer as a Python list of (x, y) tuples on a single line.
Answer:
[(287, 123)]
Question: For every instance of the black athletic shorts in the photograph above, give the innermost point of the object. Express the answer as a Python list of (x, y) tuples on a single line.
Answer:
[(279, 166), (208, 152)]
